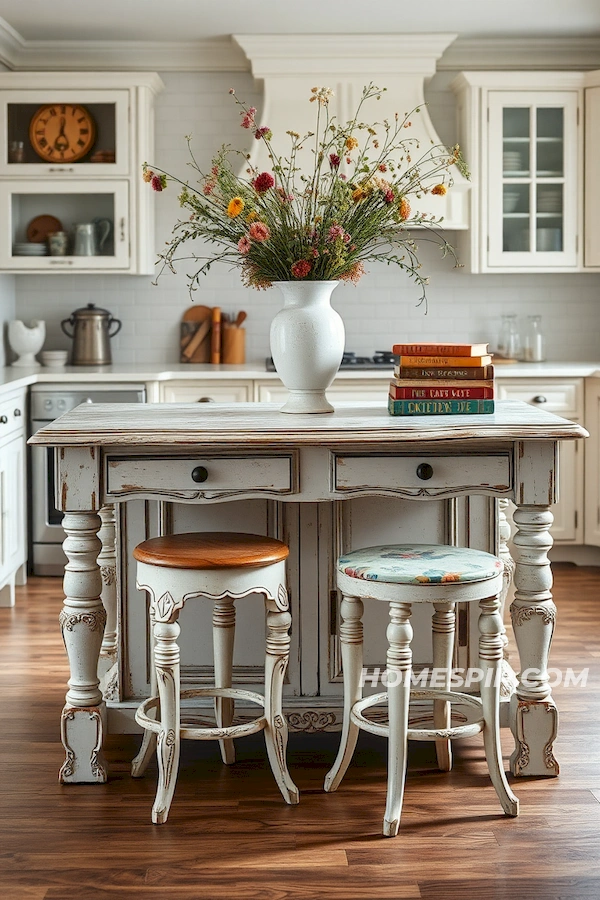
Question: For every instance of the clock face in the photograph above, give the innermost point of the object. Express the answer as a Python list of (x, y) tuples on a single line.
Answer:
[(62, 132)]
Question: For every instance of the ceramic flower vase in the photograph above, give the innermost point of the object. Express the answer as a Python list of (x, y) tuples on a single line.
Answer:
[(26, 340), (307, 344)]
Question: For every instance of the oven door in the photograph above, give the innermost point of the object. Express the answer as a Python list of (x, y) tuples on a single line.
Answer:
[(45, 518)]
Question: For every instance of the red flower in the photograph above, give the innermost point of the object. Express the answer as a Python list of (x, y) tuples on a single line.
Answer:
[(301, 268), (263, 132), (334, 160), (389, 196), (156, 182), (263, 182)]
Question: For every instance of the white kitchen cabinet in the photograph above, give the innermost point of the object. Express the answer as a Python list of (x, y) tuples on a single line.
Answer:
[(205, 391), (592, 171), (592, 462), (13, 552), (522, 135), (112, 112), (343, 389), (565, 397)]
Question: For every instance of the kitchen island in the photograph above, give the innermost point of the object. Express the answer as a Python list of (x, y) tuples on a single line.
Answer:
[(210, 457)]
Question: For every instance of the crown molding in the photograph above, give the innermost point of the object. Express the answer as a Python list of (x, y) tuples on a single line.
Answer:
[(407, 52), (522, 53)]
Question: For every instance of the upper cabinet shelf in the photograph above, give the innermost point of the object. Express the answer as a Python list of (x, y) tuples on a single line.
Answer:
[(523, 134), (71, 147)]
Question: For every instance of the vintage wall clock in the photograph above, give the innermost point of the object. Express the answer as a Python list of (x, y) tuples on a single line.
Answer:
[(62, 132)]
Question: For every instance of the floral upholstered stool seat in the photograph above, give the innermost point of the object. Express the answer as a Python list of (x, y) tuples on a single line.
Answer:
[(422, 573), (220, 567)]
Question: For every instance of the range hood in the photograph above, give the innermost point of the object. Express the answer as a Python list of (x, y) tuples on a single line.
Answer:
[(289, 65)]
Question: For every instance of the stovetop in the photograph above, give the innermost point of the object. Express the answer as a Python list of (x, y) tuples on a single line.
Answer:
[(381, 359)]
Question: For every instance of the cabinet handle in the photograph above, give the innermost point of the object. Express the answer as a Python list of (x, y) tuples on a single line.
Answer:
[(199, 474), (205, 400), (60, 262), (122, 227), (539, 399), (424, 471), (17, 413), (3, 420), (61, 169)]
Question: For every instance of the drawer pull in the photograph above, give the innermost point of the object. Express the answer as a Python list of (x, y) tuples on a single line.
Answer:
[(539, 399), (199, 474), (17, 413), (3, 419), (206, 400), (424, 471)]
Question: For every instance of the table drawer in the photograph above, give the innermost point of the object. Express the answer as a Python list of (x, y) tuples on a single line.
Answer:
[(12, 414), (415, 474), (210, 475)]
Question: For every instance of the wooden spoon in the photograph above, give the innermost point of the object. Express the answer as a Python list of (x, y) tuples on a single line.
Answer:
[(241, 317)]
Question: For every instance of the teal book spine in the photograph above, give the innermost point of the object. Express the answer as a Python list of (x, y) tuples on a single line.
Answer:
[(439, 407)]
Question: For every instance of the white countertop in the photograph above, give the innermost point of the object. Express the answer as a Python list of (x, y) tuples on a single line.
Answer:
[(13, 377)]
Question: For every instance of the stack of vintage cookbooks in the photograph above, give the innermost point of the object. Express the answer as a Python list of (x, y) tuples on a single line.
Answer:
[(442, 379)]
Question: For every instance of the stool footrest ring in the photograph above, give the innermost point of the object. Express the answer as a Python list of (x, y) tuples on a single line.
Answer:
[(198, 733), (420, 734)]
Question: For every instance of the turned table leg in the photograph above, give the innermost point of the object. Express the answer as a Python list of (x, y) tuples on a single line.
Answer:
[(534, 717), (107, 560), (82, 620)]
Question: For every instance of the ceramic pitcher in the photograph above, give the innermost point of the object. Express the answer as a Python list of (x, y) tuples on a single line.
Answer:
[(86, 241)]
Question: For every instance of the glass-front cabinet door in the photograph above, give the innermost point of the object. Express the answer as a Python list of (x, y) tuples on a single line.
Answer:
[(533, 179)]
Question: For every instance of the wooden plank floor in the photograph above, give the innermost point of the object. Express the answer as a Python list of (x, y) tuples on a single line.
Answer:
[(230, 835)]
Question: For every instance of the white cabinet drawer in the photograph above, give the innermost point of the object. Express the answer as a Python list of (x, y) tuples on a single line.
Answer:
[(12, 414), (562, 397), (342, 390), (206, 392), (426, 474), (211, 476)]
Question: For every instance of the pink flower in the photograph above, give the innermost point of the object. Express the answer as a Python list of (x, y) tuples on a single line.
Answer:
[(248, 120), (334, 160), (389, 196), (244, 245), (208, 187), (382, 167), (343, 177), (301, 268), (335, 232), (285, 197), (263, 182), (263, 132), (258, 231)]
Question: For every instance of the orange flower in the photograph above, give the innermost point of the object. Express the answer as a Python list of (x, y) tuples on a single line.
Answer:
[(404, 209), (440, 189), (235, 207), (351, 143)]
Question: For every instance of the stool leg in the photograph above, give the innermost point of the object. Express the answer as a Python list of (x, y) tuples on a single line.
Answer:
[(490, 656), (223, 638), (166, 654), (399, 664), (139, 763), (443, 647), (351, 637), (276, 732)]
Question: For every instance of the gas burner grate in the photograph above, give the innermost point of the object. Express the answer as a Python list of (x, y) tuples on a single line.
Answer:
[(381, 359)]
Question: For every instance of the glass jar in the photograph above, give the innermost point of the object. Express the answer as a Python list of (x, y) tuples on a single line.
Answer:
[(533, 344), (509, 343)]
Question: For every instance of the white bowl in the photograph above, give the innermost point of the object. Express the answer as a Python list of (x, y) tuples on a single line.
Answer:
[(54, 357)]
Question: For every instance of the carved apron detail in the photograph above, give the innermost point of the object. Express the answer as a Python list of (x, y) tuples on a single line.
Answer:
[(109, 574), (94, 620), (282, 598), (521, 614), (311, 721)]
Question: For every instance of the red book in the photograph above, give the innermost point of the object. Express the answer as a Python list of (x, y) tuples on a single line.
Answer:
[(448, 349), (441, 390)]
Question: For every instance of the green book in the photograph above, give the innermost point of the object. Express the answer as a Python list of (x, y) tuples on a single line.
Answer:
[(439, 407)]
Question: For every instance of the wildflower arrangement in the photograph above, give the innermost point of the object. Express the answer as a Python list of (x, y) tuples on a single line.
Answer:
[(352, 205)]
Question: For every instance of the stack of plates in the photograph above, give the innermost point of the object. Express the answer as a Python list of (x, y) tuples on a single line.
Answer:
[(511, 161), (30, 249), (550, 202)]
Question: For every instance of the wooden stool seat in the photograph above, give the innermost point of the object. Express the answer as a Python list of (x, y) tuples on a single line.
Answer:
[(211, 550), (221, 567), (422, 573)]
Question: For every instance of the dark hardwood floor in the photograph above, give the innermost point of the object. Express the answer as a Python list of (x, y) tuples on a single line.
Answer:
[(229, 834)]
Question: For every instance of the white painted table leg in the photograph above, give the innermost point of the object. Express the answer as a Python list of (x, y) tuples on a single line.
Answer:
[(82, 620), (276, 732), (107, 560), (534, 717), (223, 640), (139, 763), (167, 659), (399, 663), (351, 637), (443, 626), (490, 657)]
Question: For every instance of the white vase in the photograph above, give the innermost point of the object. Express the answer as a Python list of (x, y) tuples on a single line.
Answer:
[(26, 341), (307, 344)]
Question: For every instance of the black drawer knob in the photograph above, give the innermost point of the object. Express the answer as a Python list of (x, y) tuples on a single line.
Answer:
[(4, 419), (199, 474), (540, 399), (17, 413), (424, 471)]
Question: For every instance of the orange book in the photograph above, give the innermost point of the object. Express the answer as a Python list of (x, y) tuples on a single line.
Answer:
[(215, 337), (448, 349), (415, 361)]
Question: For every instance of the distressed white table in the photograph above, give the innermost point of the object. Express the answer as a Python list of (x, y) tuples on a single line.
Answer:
[(107, 454)]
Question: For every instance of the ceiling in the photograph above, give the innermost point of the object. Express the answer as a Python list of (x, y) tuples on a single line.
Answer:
[(193, 20)]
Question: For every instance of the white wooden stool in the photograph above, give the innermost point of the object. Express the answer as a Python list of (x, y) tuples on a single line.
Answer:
[(222, 567), (403, 575)]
